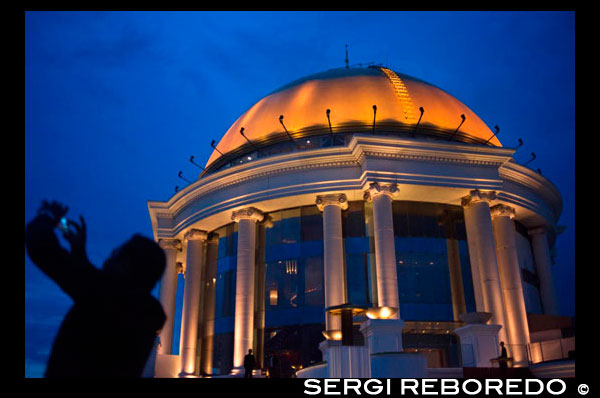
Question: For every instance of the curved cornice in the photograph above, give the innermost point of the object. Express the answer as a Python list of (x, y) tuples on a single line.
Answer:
[(446, 165), (352, 155), (526, 177)]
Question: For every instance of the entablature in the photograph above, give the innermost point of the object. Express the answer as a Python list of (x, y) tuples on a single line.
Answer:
[(424, 171)]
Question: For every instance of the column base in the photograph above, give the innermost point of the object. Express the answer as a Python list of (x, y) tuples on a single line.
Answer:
[(383, 335), (479, 344), (345, 361)]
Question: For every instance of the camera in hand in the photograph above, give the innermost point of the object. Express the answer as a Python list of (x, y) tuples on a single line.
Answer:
[(63, 225)]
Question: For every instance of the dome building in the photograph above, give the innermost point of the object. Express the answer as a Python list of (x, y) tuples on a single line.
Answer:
[(359, 223)]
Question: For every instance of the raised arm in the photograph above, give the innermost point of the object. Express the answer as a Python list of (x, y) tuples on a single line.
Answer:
[(72, 271)]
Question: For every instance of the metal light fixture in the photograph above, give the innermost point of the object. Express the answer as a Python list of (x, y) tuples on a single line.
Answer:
[(183, 178), (461, 123), (493, 135), (194, 163), (422, 110), (374, 114), (286, 131)]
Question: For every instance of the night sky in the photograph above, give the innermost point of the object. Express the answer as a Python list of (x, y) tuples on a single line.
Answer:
[(116, 102)]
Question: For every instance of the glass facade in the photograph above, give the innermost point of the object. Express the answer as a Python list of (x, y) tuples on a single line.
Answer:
[(423, 233), (225, 299), (294, 299), (430, 242), (360, 254)]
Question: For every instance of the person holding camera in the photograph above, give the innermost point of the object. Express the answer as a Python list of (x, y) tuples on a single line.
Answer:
[(111, 328)]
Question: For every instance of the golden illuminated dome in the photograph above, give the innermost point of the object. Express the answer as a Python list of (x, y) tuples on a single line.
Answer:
[(349, 94)]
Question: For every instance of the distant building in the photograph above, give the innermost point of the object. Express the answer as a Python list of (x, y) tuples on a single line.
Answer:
[(361, 213)]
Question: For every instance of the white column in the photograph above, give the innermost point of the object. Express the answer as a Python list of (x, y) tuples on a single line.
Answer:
[(482, 254), (333, 259), (543, 263), (385, 250), (244, 284), (191, 301), (512, 287), (168, 292), (348, 362)]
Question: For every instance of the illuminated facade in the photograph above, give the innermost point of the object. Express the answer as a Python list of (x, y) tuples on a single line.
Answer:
[(366, 192)]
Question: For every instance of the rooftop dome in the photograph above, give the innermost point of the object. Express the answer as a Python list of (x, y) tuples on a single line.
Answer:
[(350, 94)]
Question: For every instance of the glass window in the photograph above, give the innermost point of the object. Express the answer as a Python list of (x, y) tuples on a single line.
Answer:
[(281, 147), (313, 282), (359, 250), (308, 143), (311, 224), (226, 271), (227, 240), (225, 297), (290, 226), (353, 220), (289, 347), (294, 267), (285, 229), (222, 353), (293, 290), (282, 284), (357, 279), (333, 140), (421, 232)]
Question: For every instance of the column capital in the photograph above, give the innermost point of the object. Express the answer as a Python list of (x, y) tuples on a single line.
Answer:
[(537, 230), (376, 188), (267, 221), (337, 199), (249, 213), (478, 196), (169, 244), (501, 210), (196, 234)]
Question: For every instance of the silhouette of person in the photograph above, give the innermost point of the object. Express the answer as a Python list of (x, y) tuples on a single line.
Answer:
[(111, 328), (249, 364), (502, 359)]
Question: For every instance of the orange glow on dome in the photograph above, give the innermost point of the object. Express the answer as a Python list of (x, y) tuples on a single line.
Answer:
[(350, 94)]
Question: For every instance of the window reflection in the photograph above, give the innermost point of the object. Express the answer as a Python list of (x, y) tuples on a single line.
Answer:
[(359, 254), (423, 234), (282, 284)]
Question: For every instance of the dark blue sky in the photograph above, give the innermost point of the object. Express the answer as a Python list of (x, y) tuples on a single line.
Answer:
[(116, 102)]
